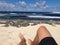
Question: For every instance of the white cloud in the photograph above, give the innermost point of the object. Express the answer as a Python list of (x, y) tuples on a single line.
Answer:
[(32, 5), (43, 4), (54, 8), (40, 4), (6, 6), (22, 4)]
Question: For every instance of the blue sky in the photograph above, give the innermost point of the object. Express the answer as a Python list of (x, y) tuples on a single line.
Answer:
[(30, 5)]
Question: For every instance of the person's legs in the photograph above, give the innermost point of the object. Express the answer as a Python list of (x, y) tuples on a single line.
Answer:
[(23, 40), (43, 37), (42, 32)]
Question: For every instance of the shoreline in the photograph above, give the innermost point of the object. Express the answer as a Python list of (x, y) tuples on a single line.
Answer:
[(25, 23)]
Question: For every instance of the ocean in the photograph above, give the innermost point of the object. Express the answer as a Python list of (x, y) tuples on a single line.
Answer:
[(30, 16)]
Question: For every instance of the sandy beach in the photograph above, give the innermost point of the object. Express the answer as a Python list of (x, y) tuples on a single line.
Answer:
[(10, 35)]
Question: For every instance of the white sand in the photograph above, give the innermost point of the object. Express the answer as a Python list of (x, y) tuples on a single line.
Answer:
[(9, 35)]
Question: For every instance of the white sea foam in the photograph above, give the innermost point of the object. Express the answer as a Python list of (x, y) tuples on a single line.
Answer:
[(56, 12), (56, 17)]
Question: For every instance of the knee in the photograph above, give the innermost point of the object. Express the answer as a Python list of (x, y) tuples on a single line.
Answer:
[(41, 28), (42, 31)]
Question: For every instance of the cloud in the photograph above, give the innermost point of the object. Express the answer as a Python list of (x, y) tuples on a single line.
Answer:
[(22, 4), (54, 8), (40, 4), (32, 5), (43, 4), (6, 6)]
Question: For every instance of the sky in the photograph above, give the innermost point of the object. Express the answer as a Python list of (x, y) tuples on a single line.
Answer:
[(30, 5)]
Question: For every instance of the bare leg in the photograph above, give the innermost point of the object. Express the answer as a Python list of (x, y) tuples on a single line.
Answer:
[(23, 40), (41, 33)]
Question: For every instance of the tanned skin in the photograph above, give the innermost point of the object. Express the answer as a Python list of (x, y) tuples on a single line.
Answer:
[(42, 32)]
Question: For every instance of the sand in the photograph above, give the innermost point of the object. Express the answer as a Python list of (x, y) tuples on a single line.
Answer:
[(10, 35)]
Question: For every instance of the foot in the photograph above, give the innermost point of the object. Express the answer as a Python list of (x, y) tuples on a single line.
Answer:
[(23, 40)]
